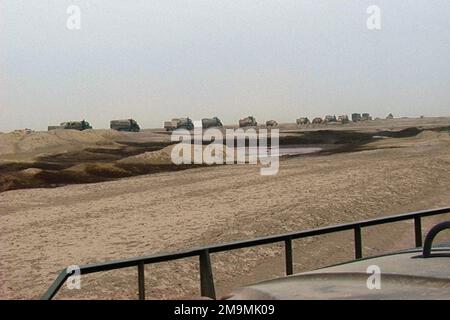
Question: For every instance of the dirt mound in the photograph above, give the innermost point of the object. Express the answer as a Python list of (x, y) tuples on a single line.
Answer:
[(8, 141), (431, 135), (25, 141), (106, 170), (163, 156)]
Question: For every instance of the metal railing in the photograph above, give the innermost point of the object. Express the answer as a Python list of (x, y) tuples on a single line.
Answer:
[(206, 275)]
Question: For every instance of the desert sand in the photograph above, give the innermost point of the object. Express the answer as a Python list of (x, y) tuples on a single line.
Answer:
[(46, 229)]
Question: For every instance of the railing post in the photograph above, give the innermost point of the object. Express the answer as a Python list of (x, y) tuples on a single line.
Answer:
[(141, 281), (206, 276), (358, 243), (418, 231), (288, 256)]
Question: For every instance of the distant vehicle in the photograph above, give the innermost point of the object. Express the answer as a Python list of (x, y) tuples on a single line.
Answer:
[(317, 120), (248, 122), (329, 118), (356, 117), (170, 125), (271, 123), (125, 125), (24, 131), (390, 116), (74, 125), (179, 123), (343, 119), (366, 117), (303, 121), (211, 122)]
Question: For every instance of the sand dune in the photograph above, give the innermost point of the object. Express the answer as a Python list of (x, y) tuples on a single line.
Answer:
[(24, 141)]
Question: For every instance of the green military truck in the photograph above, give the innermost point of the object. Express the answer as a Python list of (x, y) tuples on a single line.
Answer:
[(249, 121), (125, 125), (211, 123), (356, 117), (73, 125), (179, 123)]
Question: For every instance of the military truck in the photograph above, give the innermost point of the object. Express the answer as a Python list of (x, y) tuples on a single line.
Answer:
[(303, 121), (271, 123), (343, 119), (125, 125), (330, 118), (179, 123), (247, 122), (317, 120), (170, 125), (74, 125), (211, 122), (356, 117), (366, 117)]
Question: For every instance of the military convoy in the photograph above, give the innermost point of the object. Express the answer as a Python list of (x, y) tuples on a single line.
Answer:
[(120, 125), (131, 125), (342, 119), (125, 125), (74, 125)]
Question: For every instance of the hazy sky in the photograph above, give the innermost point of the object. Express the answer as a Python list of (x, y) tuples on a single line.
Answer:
[(158, 59)]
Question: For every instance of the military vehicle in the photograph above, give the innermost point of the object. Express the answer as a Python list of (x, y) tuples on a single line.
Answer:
[(271, 123), (356, 117), (317, 120), (250, 121), (170, 125), (125, 125), (303, 121), (211, 122), (329, 118), (74, 125), (179, 123), (343, 119), (366, 117)]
